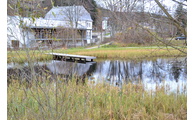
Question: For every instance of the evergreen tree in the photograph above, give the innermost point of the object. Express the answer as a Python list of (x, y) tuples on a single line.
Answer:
[(181, 16)]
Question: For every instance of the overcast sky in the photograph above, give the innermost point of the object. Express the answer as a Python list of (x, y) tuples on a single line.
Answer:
[(150, 5)]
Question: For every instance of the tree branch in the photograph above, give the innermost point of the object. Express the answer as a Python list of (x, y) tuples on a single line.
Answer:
[(176, 23), (179, 2)]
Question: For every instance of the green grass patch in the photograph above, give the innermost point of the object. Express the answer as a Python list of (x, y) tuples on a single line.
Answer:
[(162, 43)]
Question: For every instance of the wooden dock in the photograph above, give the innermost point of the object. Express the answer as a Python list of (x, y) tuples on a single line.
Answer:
[(73, 58)]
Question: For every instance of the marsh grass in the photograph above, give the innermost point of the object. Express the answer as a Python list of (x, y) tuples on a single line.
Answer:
[(100, 53), (21, 56), (127, 53), (71, 101)]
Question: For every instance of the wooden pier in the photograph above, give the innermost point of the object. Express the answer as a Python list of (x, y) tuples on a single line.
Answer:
[(73, 58)]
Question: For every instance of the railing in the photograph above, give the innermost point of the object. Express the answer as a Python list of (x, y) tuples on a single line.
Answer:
[(38, 39)]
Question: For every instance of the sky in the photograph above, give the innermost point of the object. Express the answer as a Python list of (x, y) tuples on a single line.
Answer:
[(150, 5)]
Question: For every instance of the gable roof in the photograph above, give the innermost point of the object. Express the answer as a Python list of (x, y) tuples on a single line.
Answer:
[(69, 13), (17, 22)]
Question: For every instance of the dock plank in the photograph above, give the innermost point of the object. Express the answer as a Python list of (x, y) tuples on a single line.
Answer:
[(73, 56)]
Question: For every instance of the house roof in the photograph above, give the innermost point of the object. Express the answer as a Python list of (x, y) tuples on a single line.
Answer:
[(57, 17), (43, 23), (40, 23), (70, 13), (49, 23)]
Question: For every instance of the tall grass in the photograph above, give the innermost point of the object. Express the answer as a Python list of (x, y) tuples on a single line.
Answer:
[(88, 102), (20, 56)]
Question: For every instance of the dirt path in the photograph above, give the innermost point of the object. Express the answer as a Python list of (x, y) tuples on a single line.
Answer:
[(100, 45)]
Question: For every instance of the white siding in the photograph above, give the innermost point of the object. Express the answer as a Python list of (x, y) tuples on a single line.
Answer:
[(89, 36), (15, 32), (89, 24)]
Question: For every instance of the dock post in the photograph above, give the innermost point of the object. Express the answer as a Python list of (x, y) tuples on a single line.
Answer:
[(73, 59)]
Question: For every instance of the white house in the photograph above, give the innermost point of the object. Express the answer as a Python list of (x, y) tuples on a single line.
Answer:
[(76, 16), (105, 23), (17, 36), (68, 25)]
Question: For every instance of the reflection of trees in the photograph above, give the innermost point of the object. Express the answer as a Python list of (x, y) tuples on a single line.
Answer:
[(157, 71), (176, 72), (114, 72), (119, 71), (177, 68), (131, 71)]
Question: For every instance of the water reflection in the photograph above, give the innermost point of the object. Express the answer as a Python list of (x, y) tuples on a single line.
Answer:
[(117, 72), (171, 72), (66, 68), (49, 70), (131, 71)]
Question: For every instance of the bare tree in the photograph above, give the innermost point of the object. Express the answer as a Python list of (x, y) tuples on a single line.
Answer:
[(144, 21), (170, 17), (73, 14), (27, 8)]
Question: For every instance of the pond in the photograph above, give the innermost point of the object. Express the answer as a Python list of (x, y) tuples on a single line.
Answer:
[(170, 72)]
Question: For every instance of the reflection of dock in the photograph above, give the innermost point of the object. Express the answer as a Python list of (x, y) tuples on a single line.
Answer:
[(73, 58), (71, 68)]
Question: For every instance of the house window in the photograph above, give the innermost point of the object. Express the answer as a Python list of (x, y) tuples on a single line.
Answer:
[(15, 43), (42, 34), (88, 24), (88, 34)]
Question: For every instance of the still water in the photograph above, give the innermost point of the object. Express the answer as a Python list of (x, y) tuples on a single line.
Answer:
[(170, 72)]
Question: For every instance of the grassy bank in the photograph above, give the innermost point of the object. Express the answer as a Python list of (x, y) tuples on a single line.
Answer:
[(162, 43), (85, 102), (127, 53), (21, 56), (104, 53)]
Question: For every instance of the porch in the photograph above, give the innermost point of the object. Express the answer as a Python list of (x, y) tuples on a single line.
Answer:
[(61, 37)]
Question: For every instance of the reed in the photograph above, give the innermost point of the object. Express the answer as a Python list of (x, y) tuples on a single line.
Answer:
[(63, 101)]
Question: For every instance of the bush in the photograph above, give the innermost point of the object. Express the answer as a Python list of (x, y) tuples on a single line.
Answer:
[(138, 36)]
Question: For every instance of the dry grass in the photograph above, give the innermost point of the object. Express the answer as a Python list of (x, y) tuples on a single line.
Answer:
[(23, 56), (58, 100), (105, 53), (88, 102), (127, 53)]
